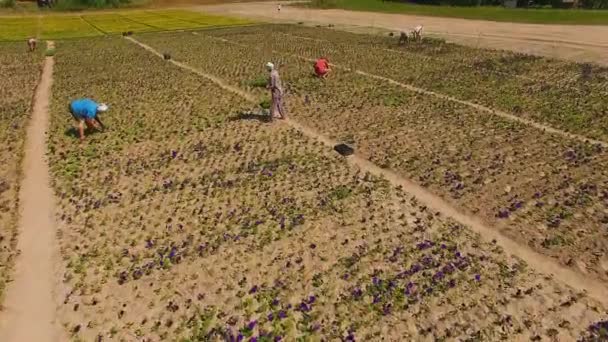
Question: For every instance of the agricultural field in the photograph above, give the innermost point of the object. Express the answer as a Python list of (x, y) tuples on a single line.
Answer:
[(545, 190), (192, 219), (20, 72), (98, 24)]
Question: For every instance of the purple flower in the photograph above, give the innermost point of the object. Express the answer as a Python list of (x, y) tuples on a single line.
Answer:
[(282, 314), (303, 307), (253, 339), (424, 245), (275, 302), (173, 154), (415, 268), (452, 283), (252, 324), (239, 337), (477, 277), (278, 338), (311, 299), (270, 316), (376, 299), (386, 309), (173, 253), (357, 293), (503, 213), (254, 289)]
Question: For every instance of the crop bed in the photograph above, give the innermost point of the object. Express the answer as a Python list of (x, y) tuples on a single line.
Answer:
[(568, 96), (20, 72), (187, 220), (544, 190)]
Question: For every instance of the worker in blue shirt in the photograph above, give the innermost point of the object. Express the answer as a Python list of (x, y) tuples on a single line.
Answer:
[(86, 111)]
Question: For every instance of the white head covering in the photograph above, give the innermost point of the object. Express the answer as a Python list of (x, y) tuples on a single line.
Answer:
[(270, 66), (102, 107)]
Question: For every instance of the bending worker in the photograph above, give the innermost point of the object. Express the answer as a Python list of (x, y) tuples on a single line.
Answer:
[(276, 92), (86, 111), (322, 68)]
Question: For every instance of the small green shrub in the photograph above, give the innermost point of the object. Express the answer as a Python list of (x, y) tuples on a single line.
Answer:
[(265, 104), (259, 82), (49, 52), (323, 4)]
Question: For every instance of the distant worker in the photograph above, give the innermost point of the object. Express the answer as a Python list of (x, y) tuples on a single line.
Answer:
[(279, 8), (322, 68), (417, 33), (403, 38), (276, 92), (31, 44), (86, 111)]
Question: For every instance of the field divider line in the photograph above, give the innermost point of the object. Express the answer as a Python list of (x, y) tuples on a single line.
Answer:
[(82, 17), (542, 263), (136, 22), (502, 114)]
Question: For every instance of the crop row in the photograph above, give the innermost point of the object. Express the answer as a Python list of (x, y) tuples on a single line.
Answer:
[(20, 71), (544, 190), (191, 222)]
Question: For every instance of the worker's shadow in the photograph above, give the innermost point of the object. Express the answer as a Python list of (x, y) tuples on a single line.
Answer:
[(72, 132), (251, 116)]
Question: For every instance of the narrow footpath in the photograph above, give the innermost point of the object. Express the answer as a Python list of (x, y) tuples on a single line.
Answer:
[(29, 306)]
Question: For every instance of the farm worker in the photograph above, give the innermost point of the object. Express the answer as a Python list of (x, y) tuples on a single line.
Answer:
[(279, 8), (417, 33), (86, 111), (31, 43), (322, 68), (276, 92)]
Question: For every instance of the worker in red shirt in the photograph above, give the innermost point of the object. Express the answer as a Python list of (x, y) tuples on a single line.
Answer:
[(322, 68)]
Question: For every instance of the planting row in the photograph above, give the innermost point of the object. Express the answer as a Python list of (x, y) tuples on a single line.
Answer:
[(192, 222), (20, 72)]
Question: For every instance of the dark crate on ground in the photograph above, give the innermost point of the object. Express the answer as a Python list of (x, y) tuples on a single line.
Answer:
[(166, 56), (344, 149)]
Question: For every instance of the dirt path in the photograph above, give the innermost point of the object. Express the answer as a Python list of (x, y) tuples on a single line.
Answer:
[(30, 307), (572, 42), (541, 263)]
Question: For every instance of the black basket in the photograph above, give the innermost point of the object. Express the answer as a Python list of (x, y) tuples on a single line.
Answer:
[(166, 56), (344, 149)]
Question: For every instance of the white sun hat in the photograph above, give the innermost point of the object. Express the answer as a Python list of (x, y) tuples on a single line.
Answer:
[(102, 107), (270, 65)]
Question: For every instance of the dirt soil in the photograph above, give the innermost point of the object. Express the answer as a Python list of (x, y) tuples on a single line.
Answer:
[(572, 42), (29, 308)]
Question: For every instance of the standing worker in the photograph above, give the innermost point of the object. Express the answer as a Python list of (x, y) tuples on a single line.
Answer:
[(322, 68), (86, 111), (276, 92), (31, 44)]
